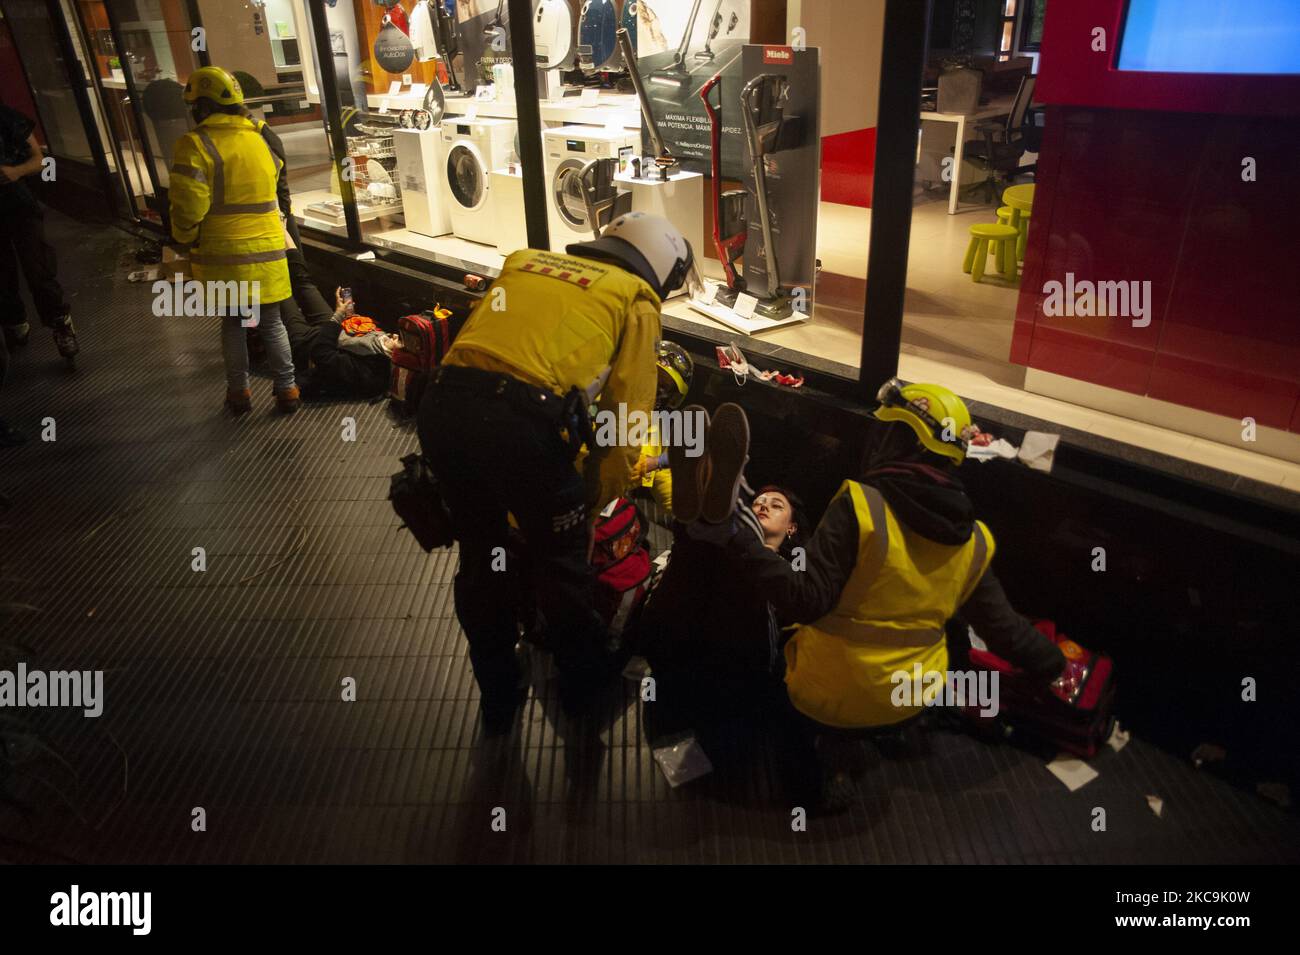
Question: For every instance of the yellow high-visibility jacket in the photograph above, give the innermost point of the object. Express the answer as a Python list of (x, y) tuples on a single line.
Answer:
[(840, 669), (556, 321), (223, 202)]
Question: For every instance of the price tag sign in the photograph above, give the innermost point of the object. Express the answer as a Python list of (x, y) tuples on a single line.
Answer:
[(395, 88), (486, 93), (745, 305), (590, 98), (407, 79), (419, 89), (710, 293), (383, 106), (471, 113)]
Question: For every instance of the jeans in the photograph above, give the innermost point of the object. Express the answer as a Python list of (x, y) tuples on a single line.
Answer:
[(234, 347), (492, 458), (23, 246)]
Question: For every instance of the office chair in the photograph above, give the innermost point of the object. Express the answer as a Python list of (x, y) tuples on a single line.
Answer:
[(1004, 143)]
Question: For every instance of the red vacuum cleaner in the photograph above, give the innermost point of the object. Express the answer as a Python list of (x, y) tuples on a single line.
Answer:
[(729, 229)]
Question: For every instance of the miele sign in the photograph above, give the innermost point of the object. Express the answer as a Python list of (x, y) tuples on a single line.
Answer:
[(778, 54)]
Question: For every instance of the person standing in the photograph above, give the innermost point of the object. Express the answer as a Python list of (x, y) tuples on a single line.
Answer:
[(23, 246), (224, 204), (502, 425)]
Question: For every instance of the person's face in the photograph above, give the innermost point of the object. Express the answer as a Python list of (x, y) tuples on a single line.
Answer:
[(776, 516)]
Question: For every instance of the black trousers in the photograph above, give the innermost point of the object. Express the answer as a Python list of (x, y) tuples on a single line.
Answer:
[(493, 457), (23, 247)]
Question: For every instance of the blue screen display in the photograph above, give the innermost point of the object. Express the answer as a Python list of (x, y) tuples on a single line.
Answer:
[(1211, 36)]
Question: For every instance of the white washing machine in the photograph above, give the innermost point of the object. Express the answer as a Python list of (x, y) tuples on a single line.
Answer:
[(567, 150), (425, 199), (473, 149)]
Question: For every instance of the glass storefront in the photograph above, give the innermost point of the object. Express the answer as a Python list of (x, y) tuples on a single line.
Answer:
[(769, 131)]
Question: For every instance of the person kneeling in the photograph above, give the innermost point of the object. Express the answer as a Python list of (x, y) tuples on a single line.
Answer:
[(896, 555)]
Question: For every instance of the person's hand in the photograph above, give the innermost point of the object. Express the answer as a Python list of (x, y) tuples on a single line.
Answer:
[(9, 174), (346, 309), (638, 469)]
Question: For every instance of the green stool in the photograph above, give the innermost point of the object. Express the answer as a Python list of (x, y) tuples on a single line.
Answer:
[(984, 234), (1008, 215)]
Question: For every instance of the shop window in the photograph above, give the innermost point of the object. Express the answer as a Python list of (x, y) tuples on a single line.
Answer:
[(795, 114), (976, 93), (56, 108), (270, 49)]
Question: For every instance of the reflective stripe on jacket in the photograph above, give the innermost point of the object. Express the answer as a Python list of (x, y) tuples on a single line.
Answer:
[(223, 200), (841, 669), (557, 321)]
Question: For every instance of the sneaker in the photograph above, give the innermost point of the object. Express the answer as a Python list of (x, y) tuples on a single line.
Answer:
[(690, 475), (288, 401), (10, 437), (727, 449), (16, 335), (239, 402), (65, 338)]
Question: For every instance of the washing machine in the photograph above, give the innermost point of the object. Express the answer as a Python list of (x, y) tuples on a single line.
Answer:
[(568, 149), (473, 149)]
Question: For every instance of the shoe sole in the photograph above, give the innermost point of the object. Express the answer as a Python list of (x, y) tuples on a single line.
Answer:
[(690, 475), (727, 450)]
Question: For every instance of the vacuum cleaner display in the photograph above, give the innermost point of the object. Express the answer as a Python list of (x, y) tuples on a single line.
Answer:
[(664, 162), (447, 40), (765, 235), (763, 102), (597, 47), (552, 34), (780, 112), (729, 232), (711, 38), (677, 75)]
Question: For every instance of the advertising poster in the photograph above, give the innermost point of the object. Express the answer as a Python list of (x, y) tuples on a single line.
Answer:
[(681, 45)]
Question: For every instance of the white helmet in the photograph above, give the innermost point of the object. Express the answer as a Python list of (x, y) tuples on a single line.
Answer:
[(648, 246)]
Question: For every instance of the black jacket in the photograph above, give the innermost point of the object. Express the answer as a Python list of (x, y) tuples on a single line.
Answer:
[(314, 339)]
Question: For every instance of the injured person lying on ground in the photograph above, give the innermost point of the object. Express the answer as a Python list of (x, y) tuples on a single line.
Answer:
[(337, 354), (897, 554), (712, 640)]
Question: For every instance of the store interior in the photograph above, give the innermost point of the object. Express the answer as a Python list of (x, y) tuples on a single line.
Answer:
[(429, 121)]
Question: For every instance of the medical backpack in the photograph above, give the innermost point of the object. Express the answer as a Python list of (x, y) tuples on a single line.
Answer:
[(621, 563), (425, 340), (1074, 713)]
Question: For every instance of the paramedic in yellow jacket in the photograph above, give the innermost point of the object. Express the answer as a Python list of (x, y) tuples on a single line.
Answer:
[(896, 555), (224, 207), (675, 371), (505, 418)]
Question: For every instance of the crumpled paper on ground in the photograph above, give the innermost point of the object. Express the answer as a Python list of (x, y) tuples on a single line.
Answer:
[(1038, 450)]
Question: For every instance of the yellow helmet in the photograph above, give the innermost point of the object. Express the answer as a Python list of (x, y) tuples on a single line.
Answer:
[(215, 84), (940, 419)]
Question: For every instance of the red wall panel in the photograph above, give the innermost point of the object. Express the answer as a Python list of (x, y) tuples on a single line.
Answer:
[(848, 167), (1157, 195)]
